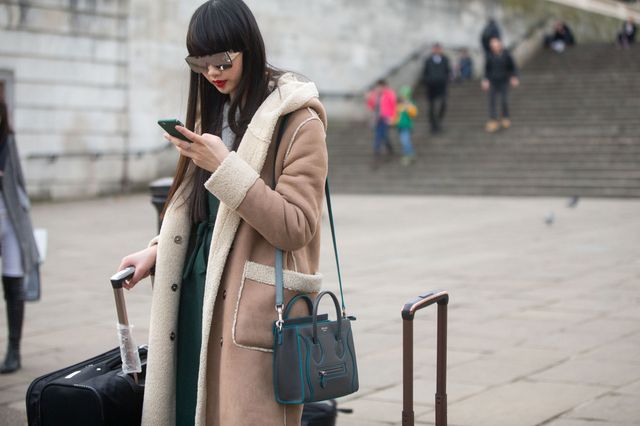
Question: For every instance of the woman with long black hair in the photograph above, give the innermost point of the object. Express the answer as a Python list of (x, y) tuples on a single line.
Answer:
[(20, 257), (210, 344)]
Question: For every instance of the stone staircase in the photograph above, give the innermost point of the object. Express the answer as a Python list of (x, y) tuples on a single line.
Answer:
[(576, 131)]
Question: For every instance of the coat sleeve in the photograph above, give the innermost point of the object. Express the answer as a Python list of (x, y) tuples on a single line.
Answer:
[(14, 157), (288, 216), (513, 70)]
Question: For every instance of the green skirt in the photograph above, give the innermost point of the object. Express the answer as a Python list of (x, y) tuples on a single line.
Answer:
[(190, 317)]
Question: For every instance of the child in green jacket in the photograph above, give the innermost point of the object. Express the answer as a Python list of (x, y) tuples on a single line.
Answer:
[(406, 111)]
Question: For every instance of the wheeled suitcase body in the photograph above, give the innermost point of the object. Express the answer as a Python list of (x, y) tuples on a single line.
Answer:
[(408, 312), (93, 392)]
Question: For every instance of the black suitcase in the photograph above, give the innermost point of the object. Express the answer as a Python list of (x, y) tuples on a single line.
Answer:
[(92, 392)]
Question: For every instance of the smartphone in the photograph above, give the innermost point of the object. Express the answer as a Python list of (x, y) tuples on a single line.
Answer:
[(169, 126)]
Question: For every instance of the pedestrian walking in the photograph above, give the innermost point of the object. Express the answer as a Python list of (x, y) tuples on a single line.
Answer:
[(491, 30), (20, 258), (382, 102), (210, 342), (500, 73), (627, 36), (406, 111), (435, 77)]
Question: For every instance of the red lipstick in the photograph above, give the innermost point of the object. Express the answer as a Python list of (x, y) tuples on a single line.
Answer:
[(219, 83)]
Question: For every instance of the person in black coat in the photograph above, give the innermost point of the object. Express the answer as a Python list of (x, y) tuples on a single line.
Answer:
[(561, 37), (500, 73), (627, 36), (435, 77)]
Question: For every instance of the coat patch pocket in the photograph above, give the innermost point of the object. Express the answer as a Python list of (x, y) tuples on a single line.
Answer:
[(255, 309)]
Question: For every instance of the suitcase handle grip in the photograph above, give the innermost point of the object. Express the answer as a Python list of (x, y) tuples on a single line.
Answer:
[(441, 297), (121, 276)]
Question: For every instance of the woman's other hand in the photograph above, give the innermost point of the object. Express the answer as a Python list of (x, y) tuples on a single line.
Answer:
[(485, 84), (143, 261), (207, 151)]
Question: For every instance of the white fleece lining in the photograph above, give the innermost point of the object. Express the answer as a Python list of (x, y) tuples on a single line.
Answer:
[(296, 281), (231, 181), (265, 274)]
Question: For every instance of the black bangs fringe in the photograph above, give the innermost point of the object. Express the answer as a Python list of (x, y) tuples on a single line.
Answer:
[(213, 30), (219, 26)]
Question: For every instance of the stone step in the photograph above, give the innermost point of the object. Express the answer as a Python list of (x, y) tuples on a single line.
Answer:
[(503, 189), (575, 131), (423, 171)]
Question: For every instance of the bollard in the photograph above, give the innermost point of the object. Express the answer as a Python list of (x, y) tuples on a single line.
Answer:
[(159, 189)]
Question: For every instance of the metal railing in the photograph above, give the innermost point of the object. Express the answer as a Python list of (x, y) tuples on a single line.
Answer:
[(612, 8)]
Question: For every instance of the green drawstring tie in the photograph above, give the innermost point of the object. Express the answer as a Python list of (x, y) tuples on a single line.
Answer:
[(197, 263)]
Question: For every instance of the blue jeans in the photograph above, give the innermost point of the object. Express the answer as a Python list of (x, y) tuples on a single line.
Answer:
[(405, 140), (381, 136)]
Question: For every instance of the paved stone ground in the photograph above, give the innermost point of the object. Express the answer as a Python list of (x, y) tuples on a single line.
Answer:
[(544, 320)]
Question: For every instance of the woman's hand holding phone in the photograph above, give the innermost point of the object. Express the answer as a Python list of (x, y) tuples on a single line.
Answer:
[(207, 151)]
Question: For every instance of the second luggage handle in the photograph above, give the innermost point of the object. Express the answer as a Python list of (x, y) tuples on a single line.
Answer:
[(440, 297), (117, 281)]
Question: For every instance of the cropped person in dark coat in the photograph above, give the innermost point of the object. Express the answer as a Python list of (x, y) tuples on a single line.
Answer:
[(500, 73), (435, 76), (20, 257)]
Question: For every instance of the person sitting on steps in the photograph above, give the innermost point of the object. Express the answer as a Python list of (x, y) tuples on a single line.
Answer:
[(627, 36)]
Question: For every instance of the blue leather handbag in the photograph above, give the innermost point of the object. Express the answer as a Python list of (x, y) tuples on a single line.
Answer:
[(314, 359)]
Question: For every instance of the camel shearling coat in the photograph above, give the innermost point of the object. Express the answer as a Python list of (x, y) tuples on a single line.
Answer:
[(235, 375)]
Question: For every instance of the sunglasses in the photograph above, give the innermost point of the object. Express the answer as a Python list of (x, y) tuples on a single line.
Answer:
[(221, 61)]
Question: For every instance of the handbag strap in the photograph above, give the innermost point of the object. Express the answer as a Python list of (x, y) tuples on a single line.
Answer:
[(279, 261)]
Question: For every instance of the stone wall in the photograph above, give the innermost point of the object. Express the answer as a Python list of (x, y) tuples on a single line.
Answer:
[(87, 79), (68, 66)]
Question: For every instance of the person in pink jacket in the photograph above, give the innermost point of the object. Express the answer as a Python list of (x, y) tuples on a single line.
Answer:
[(382, 101)]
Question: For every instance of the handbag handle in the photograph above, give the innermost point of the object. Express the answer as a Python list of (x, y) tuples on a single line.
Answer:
[(316, 304), (293, 301), (279, 261)]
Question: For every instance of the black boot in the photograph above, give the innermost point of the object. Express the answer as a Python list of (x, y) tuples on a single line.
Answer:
[(13, 294)]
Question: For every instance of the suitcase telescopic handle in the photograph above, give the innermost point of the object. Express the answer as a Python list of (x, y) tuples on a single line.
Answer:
[(128, 351), (440, 297), (117, 280), (409, 309), (121, 276)]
